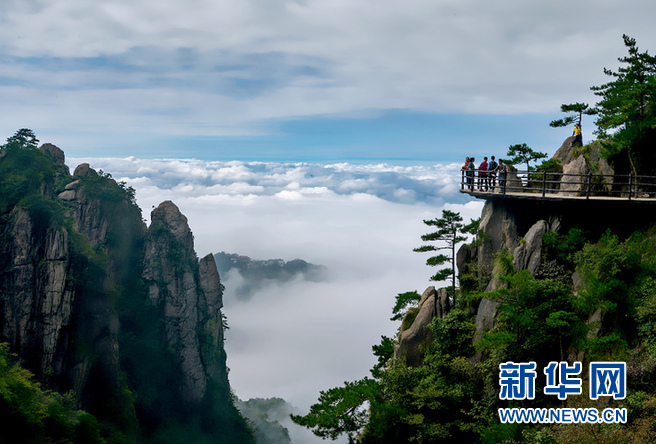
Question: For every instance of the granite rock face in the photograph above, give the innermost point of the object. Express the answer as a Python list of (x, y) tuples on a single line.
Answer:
[(37, 298), (74, 268), (188, 293), (528, 254), (433, 304)]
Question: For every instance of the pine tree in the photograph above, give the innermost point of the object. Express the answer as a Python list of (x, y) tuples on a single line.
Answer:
[(522, 153), (627, 109), (24, 138), (450, 230), (576, 111)]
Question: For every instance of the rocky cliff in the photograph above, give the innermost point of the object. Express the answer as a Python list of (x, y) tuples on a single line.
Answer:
[(517, 227), (93, 301)]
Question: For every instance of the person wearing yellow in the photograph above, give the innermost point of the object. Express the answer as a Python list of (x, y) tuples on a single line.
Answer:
[(578, 140)]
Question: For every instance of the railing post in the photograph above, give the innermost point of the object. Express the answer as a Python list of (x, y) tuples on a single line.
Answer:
[(630, 184), (544, 183), (587, 194), (462, 180)]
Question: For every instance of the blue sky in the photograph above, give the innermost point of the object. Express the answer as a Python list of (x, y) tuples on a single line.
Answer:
[(398, 136), (265, 93), (312, 80)]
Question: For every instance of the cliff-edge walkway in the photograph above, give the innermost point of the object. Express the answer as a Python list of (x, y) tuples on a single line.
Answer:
[(559, 186)]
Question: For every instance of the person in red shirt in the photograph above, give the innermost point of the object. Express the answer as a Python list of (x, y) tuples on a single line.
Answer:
[(483, 184), (465, 173)]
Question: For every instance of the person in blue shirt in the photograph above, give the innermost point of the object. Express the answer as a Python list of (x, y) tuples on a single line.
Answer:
[(492, 168)]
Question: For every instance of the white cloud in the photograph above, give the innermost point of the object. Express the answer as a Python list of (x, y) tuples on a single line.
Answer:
[(211, 68), (196, 179), (294, 340)]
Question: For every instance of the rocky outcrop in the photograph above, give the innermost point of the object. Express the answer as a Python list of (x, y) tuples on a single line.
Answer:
[(503, 229), (528, 254), (57, 155), (498, 233), (575, 177), (188, 293), (566, 151), (409, 348), (518, 229), (579, 162), (54, 311), (36, 298), (72, 298)]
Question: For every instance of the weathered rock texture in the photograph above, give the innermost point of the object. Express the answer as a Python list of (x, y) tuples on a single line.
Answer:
[(72, 273), (583, 161), (433, 304), (37, 298), (188, 293), (515, 227)]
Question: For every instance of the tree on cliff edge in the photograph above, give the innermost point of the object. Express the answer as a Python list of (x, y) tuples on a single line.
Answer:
[(627, 109), (576, 111), (575, 116), (24, 138), (450, 230)]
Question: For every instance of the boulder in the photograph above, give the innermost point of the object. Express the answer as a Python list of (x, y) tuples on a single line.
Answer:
[(575, 177), (566, 151), (464, 256), (433, 303), (57, 154), (84, 170), (73, 185), (67, 195), (487, 312), (485, 316), (528, 254)]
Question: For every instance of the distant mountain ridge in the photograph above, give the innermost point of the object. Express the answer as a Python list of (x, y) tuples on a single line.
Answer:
[(258, 273)]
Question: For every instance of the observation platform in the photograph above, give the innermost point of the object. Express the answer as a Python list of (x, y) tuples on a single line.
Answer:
[(554, 187)]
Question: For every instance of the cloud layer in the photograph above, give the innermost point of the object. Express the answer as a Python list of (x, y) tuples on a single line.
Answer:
[(293, 340), (246, 183), (239, 67)]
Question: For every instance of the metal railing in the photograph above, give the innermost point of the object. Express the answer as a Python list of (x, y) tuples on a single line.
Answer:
[(623, 186)]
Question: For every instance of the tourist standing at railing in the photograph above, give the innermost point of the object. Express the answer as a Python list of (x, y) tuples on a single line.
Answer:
[(470, 173), (502, 170), (492, 169), (465, 173), (482, 175)]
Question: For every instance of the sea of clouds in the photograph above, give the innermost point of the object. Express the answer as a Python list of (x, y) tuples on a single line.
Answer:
[(295, 339)]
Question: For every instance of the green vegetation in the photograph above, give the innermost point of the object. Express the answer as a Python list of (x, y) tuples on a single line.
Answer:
[(40, 416), (142, 400), (522, 153), (23, 172), (626, 112), (453, 395), (576, 111), (404, 301), (627, 109), (450, 230), (265, 416), (24, 139)]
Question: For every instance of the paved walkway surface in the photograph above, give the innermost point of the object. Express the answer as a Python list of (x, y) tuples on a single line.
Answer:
[(559, 195)]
